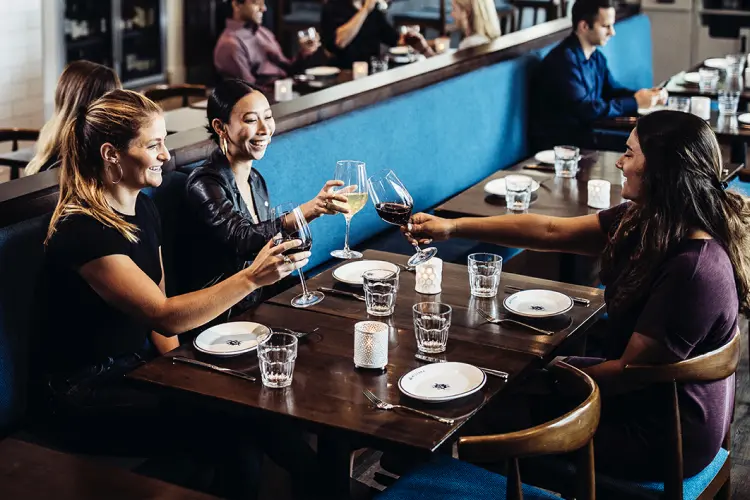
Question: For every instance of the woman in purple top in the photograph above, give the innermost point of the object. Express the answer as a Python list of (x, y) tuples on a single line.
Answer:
[(676, 263)]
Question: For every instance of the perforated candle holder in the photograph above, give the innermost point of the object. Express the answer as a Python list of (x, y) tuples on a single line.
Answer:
[(429, 277), (370, 345), (598, 193)]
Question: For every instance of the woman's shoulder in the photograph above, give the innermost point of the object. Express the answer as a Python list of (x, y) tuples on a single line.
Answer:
[(701, 263), (214, 170)]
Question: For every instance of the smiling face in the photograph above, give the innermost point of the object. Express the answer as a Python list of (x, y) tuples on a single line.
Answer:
[(633, 165), (142, 162), (249, 11), (250, 127)]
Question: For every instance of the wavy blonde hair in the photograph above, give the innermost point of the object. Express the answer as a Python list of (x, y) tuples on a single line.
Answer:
[(116, 118), (482, 17), (80, 83)]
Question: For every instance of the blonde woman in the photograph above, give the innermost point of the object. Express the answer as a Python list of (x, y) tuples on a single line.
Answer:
[(477, 20), (80, 83)]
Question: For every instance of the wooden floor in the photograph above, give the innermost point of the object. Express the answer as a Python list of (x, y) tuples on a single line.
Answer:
[(741, 428)]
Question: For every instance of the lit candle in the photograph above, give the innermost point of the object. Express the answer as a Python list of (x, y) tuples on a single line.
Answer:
[(429, 277), (701, 106), (442, 44), (359, 69), (283, 90), (598, 193), (370, 344)]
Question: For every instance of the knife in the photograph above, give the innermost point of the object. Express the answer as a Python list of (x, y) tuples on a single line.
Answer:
[(488, 371), (577, 300), (226, 371), (342, 293), (541, 168)]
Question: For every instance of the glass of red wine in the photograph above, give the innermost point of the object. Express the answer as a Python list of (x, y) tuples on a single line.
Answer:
[(294, 227), (394, 205)]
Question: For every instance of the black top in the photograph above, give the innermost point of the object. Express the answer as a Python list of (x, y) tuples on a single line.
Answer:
[(81, 328), (375, 30), (217, 235)]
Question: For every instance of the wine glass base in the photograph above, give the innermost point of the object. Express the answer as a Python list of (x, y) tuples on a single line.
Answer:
[(422, 257), (343, 254), (308, 300)]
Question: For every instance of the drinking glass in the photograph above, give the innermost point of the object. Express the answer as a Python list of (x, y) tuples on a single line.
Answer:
[(381, 288), (484, 274), (432, 321), (378, 65), (354, 175), (517, 192), (307, 35), (394, 205), (297, 229), (276, 358), (728, 102), (709, 79), (566, 161), (677, 103)]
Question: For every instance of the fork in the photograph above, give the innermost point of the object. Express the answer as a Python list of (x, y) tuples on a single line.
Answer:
[(497, 321), (388, 406)]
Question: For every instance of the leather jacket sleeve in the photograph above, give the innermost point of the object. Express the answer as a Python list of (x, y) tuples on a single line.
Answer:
[(213, 207)]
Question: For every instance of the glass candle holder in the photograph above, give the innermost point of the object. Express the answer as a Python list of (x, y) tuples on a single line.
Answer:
[(429, 277), (598, 193), (282, 90), (359, 69), (701, 107), (370, 344), (442, 44)]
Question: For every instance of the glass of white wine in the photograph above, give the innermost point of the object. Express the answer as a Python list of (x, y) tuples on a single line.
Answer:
[(354, 176)]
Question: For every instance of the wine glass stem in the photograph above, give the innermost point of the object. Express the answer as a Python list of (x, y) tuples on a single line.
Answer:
[(415, 244), (346, 238), (305, 293)]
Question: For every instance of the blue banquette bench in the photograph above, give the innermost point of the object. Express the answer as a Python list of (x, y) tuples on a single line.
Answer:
[(440, 140)]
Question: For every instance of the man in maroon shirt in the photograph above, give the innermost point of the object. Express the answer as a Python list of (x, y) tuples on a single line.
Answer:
[(251, 52)]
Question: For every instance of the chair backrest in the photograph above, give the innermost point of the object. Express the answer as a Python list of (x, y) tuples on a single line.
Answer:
[(185, 90), (15, 135), (569, 432)]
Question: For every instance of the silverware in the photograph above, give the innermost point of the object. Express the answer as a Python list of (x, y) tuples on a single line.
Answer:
[(498, 321), (407, 268), (577, 300), (541, 168), (298, 334), (342, 293), (488, 371), (388, 406), (227, 371)]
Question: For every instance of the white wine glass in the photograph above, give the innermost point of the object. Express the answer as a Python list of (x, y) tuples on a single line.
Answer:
[(297, 229), (354, 176)]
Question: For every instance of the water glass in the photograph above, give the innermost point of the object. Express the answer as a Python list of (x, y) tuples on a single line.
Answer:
[(378, 65), (276, 359), (381, 288), (679, 104), (517, 192), (484, 274), (432, 321), (728, 102), (307, 35), (709, 79), (566, 161)]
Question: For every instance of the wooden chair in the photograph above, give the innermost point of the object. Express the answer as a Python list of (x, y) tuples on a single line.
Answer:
[(14, 135), (459, 479), (184, 90), (714, 480)]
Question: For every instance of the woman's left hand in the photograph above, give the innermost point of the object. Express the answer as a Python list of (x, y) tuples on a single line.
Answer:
[(323, 203)]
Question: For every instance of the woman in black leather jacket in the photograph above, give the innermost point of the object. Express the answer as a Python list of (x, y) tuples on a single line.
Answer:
[(229, 208)]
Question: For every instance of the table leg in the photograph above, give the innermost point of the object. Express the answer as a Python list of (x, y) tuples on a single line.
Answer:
[(738, 150), (334, 454)]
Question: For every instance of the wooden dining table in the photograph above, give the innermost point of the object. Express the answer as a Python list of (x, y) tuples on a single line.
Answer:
[(326, 396)]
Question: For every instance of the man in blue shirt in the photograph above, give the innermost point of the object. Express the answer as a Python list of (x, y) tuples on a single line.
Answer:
[(574, 87)]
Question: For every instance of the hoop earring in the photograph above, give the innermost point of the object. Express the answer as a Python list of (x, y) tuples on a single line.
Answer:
[(121, 173), (223, 145)]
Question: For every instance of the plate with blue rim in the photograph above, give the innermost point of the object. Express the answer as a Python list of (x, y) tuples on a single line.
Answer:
[(232, 339), (538, 303), (441, 382)]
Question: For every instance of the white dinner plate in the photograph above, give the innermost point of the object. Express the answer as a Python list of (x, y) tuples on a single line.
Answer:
[(538, 303), (497, 187), (744, 118), (351, 272), (692, 78), (399, 50), (232, 339), (646, 111), (716, 63), (547, 156), (322, 71), (441, 382)]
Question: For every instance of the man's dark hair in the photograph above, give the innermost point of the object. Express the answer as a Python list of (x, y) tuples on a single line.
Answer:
[(588, 10)]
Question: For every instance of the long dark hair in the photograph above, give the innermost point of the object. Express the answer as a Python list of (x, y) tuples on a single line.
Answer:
[(681, 191), (222, 100)]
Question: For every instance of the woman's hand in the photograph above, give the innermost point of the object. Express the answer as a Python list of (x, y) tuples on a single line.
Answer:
[(424, 228), (323, 203), (418, 42), (271, 266)]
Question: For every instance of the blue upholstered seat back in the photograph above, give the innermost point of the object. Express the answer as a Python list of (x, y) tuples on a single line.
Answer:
[(633, 37)]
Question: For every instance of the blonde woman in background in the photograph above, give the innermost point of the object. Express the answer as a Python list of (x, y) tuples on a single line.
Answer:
[(477, 20), (80, 84)]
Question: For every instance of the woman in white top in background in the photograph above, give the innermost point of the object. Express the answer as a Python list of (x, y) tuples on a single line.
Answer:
[(477, 20)]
